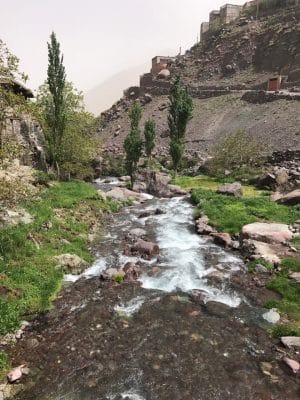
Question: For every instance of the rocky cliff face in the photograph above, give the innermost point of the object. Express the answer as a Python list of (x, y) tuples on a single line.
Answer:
[(219, 73)]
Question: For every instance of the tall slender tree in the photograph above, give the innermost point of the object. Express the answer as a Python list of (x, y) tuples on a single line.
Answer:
[(133, 143), (180, 112), (149, 133), (55, 114)]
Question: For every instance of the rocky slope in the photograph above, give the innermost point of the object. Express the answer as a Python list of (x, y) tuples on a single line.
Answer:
[(220, 72)]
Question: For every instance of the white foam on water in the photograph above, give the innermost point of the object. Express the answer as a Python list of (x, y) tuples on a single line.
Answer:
[(132, 396), (131, 307), (182, 253)]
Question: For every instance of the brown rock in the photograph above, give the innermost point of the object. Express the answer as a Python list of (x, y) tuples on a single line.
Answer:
[(294, 365), (223, 239), (291, 198), (145, 248), (231, 189), (267, 232)]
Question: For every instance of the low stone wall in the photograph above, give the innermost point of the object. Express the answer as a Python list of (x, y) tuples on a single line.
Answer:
[(261, 96)]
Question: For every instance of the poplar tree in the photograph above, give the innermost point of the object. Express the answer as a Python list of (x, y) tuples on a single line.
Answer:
[(133, 143), (149, 133), (180, 112), (55, 113)]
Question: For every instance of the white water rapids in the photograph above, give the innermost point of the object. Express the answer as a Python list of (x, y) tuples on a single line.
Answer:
[(183, 258)]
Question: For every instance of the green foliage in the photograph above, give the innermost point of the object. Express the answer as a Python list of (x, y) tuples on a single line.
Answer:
[(133, 143), (252, 264), (230, 214), (296, 242), (119, 278), (210, 183), (79, 145), (42, 177), (180, 112), (237, 151), (113, 165), (289, 303), (3, 363), (150, 134), (285, 330), (55, 116), (29, 276)]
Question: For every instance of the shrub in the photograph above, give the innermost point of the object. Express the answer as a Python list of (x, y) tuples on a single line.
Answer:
[(42, 177), (237, 151)]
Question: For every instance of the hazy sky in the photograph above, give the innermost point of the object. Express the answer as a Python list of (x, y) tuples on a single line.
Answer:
[(99, 38)]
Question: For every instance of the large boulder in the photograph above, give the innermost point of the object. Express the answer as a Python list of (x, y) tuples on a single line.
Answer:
[(231, 189), (158, 185), (71, 263), (223, 239), (291, 198), (266, 251), (267, 232), (124, 194), (14, 217), (145, 248)]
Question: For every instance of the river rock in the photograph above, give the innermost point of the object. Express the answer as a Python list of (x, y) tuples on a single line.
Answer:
[(231, 189), (291, 198), (218, 309), (123, 194), (223, 239), (266, 251), (111, 273), (137, 233), (71, 263), (267, 232), (295, 276), (290, 341), (292, 364), (204, 229), (14, 217), (272, 316), (15, 374), (145, 248), (102, 194), (131, 271)]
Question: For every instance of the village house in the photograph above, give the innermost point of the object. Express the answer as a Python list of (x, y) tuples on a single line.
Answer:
[(160, 63)]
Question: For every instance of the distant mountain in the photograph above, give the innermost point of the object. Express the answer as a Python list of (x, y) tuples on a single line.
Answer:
[(102, 96)]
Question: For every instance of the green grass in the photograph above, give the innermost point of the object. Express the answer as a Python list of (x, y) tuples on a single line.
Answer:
[(29, 278), (3, 363), (296, 242), (230, 214), (210, 183), (289, 303)]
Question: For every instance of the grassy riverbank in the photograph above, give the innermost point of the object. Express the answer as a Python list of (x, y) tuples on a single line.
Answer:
[(64, 215)]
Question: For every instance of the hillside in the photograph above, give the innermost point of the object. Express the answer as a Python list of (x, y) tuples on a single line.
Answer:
[(226, 73)]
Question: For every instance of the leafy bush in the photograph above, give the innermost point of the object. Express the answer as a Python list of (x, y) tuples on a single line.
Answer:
[(237, 151), (42, 177), (113, 165)]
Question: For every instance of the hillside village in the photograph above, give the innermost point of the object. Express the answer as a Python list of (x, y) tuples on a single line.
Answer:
[(152, 252)]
